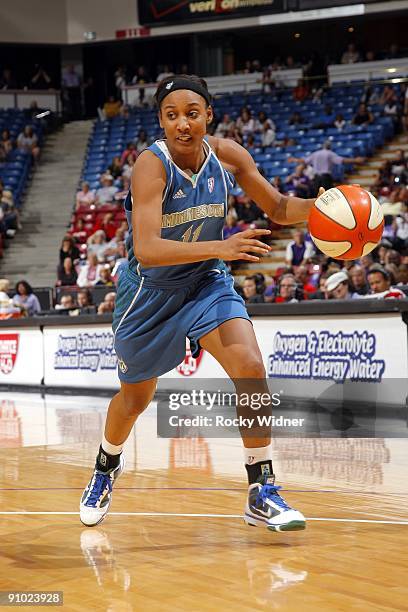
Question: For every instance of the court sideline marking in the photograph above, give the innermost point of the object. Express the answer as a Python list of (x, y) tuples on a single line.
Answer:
[(191, 515)]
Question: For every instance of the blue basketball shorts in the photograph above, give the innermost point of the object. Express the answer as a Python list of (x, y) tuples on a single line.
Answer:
[(150, 324)]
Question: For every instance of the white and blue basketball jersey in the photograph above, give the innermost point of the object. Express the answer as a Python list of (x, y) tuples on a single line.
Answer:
[(193, 209)]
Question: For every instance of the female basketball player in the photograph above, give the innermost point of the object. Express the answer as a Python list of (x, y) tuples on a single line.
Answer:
[(176, 285)]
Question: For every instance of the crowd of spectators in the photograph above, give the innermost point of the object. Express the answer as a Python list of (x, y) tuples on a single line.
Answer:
[(310, 275)]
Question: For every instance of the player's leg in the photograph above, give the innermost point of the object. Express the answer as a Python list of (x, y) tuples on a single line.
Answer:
[(234, 346), (123, 411)]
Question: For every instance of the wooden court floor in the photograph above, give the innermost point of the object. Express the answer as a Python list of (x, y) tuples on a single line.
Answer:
[(175, 538)]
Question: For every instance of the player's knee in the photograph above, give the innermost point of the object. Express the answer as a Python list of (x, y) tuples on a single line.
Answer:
[(135, 400), (251, 367)]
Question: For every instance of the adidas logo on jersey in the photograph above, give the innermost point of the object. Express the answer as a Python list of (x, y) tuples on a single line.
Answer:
[(179, 194)]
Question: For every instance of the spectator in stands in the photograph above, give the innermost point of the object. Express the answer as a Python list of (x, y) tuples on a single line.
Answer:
[(105, 278), (85, 197), (363, 116), (69, 249), (248, 211), (7, 80), (321, 293), (67, 302), (380, 283), (89, 273), (224, 125), (391, 110), (322, 161), (301, 91), (84, 300), (27, 141), (106, 193), (141, 142), (351, 55), (71, 92), (253, 291), (338, 286), (298, 182), (400, 226), (107, 225), (369, 96), (339, 122), (268, 82), (402, 277), (6, 141), (130, 150), (120, 80), (302, 279), (66, 273), (111, 108), (296, 119), (231, 227), (25, 298), (268, 134), (120, 196), (108, 304), (262, 119), (298, 251), (245, 122), (234, 134), (278, 184), (97, 245), (287, 290), (127, 168), (388, 95), (40, 78), (120, 259), (164, 71), (359, 280), (141, 78), (115, 168)]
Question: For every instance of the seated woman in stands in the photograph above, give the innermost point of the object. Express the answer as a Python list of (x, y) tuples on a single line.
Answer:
[(6, 141), (25, 298), (85, 197), (27, 141)]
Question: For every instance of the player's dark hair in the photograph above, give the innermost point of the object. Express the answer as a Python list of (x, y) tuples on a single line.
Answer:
[(198, 85)]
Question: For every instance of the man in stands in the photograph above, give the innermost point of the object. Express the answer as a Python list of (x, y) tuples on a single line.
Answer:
[(359, 280), (252, 294), (298, 250), (363, 116), (106, 193), (323, 161), (380, 284), (338, 286), (302, 278), (108, 304), (287, 290)]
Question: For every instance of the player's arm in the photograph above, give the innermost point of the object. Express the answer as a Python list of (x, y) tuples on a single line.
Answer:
[(148, 186), (279, 208)]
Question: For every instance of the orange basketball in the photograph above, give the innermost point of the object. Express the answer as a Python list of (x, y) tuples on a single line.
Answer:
[(346, 222)]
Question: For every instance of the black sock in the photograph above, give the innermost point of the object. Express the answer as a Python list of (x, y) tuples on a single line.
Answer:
[(106, 462), (258, 470)]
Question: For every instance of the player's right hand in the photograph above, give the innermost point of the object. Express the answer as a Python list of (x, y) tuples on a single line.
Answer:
[(240, 246)]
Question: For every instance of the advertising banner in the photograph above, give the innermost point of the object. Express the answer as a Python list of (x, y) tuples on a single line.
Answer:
[(80, 357), (21, 356), (163, 12)]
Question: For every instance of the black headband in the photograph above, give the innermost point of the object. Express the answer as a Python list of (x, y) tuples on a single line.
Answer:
[(182, 83)]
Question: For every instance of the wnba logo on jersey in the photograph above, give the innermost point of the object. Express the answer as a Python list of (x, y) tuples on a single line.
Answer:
[(190, 365), (8, 352), (211, 184)]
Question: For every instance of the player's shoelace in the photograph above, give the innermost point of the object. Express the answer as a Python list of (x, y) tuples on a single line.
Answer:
[(271, 492), (100, 483)]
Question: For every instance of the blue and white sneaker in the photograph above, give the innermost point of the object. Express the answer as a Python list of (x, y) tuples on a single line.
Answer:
[(97, 497), (266, 508)]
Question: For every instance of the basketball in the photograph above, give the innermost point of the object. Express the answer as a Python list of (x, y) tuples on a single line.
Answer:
[(346, 222)]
